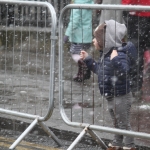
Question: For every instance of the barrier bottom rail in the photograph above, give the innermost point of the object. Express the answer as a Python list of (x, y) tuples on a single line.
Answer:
[(30, 127)]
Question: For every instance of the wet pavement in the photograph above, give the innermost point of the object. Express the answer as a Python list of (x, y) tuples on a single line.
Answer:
[(24, 87), (5, 143), (38, 140)]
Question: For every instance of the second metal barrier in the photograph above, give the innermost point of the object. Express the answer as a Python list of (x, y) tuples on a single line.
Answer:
[(81, 105)]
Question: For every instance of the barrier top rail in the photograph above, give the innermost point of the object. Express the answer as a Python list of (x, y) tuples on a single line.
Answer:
[(61, 67), (52, 57), (108, 7)]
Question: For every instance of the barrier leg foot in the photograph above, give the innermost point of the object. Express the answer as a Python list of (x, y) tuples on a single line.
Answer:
[(24, 134), (50, 133), (78, 139), (97, 139)]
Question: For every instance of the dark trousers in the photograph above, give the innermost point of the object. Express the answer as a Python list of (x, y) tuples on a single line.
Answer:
[(119, 109)]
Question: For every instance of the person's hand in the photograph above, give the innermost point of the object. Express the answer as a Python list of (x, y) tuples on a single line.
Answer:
[(113, 54), (83, 54), (66, 39)]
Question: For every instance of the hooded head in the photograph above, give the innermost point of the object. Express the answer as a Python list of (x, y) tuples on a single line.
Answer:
[(110, 34)]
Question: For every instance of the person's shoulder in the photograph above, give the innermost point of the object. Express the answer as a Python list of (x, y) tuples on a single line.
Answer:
[(121, 53)]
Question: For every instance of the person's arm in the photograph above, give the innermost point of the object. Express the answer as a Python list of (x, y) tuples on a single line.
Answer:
[(121, 64), (91, 64)]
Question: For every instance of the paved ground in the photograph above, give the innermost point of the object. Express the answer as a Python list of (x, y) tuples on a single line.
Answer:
[(24, 87), (5, 143), (38, 140)]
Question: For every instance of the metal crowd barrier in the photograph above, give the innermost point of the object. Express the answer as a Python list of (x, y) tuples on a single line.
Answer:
[(17, 15), (27, 70), (80, 104)]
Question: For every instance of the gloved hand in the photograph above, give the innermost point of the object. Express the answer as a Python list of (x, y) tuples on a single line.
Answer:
[(66, 39)]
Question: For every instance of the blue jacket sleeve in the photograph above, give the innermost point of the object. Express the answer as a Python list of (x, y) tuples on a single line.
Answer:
[(92, 64)]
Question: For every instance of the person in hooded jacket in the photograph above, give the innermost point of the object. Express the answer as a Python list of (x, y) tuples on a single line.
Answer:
[(113, 76), (79, 33)]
